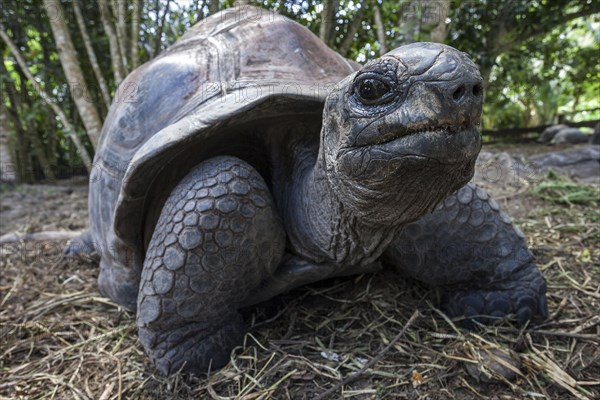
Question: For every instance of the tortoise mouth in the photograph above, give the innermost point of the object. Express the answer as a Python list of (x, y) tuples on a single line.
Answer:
[(391, 135), (454, 144)]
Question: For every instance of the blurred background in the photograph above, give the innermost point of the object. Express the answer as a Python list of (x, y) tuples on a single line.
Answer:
[(539, 59)]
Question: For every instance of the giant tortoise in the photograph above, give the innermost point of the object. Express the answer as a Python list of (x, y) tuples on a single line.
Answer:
[(249, 158)]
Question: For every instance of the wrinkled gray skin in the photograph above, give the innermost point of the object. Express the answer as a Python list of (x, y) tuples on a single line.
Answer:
[(386, 183)]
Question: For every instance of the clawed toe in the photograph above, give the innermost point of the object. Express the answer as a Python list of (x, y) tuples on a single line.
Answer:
[(488, 307), (192, 348), (521, 299)]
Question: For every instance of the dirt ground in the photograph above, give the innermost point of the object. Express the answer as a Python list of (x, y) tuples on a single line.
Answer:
[(60, 339)]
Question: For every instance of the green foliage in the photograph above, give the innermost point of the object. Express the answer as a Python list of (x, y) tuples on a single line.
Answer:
[(37, 140), (557, 74), (560, 190), (540, 58)]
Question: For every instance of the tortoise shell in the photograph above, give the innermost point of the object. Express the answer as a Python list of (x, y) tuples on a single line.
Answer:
[(239, 69)]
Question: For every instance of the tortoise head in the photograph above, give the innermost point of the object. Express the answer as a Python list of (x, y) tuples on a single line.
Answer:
[(402, 133)]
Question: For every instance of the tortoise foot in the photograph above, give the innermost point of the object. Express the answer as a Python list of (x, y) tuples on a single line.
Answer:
[(217, 238), (195, 346), (522, 299), (82, 245)]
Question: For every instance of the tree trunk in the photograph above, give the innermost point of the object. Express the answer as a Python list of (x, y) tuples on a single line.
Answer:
[(29, 129), (16, 237), (380, 29), (120, 9), (439, 13), (486, 73), (23, 168), (352, 30), (83, 154), (92, 54), (424, 21), (38, 150), (113, 44), (68, 59), (135, 33), (213, 6), (327, 29), (8, 167)]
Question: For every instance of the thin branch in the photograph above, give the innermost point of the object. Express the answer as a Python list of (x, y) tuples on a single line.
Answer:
[(375, 360), (91, 54), (16, 237), (113, 45), (529, 32), (352, 30), (161, 26)]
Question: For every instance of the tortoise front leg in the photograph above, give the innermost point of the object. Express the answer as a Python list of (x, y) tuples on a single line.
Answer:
[(217, 238), (473, 252)]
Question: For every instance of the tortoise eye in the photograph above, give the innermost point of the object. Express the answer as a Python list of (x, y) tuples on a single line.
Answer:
[(372, 91)]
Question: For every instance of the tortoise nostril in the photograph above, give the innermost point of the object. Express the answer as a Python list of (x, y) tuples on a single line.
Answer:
[(458, 93), (477, 90)]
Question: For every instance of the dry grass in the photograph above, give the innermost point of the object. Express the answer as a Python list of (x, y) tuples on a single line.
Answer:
[(59, 339)]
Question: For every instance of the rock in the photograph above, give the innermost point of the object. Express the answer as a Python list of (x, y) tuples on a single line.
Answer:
[(549, 133), (493, 364), (581, 164), (501, 169), (511, 172), (596, 135), (570, 135)]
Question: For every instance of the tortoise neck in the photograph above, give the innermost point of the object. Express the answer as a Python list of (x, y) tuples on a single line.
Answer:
[(321, 228)]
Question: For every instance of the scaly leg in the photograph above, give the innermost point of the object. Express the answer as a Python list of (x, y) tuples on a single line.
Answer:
[(217, 238), (471, 249)]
